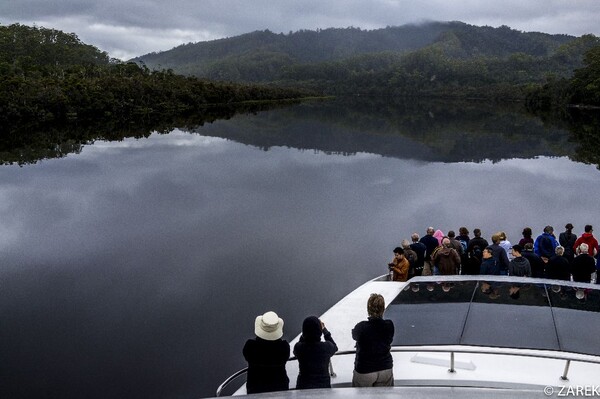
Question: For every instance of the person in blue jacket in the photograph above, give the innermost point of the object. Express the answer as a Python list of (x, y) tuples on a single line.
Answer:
[(545, 244)]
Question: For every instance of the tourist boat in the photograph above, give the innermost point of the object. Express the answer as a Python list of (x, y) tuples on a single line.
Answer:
[(471, 336)]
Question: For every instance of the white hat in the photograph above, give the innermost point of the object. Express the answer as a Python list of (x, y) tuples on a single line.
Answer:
[(268, 326)]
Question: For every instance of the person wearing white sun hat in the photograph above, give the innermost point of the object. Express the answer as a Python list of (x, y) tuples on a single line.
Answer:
[(267, 355)]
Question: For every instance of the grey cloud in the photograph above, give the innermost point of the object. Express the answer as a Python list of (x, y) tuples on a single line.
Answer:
[(128, 28)]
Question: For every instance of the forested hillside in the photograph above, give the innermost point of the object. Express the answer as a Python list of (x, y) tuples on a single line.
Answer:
[(48, 75), (433, 59)]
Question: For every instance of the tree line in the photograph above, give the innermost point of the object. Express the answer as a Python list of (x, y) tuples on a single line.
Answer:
[(48, 75)]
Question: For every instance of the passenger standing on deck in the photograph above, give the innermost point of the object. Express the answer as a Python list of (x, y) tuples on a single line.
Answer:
[(499, 254), (439, 235), (314, 355), (567, 240), (489, 265), (504, 243), (519, 266), (537, 264), (527, 233), (431, 243), (477, 240), (399, 265), (411, 257), (463, 239), (559, 267), (545, 244), (583, 265), (447, 258), (420, 249), (589, 239), (266, 356), (373, 365)]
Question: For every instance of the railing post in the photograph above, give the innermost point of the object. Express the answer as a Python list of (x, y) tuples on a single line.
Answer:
[(452, 363), (564, 376)]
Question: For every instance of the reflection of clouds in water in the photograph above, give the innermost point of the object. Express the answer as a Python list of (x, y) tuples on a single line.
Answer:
[(158, 226)]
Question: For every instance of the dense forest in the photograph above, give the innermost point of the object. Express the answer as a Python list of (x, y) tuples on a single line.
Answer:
[(437, 59), (47, 75), (57, 93)]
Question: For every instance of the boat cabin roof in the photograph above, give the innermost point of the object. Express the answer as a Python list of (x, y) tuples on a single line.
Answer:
[(497, 312)]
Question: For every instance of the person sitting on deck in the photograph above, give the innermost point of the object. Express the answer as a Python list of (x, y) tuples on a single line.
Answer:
[(314, 355), (267, 355), (399, 265), (373, 365)]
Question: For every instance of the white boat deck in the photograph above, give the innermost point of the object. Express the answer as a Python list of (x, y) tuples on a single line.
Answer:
[(481, 367)]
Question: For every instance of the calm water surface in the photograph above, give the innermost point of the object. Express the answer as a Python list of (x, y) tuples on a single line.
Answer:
[(135, 269)]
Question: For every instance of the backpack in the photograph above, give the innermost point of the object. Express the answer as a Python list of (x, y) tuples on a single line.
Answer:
[(464, 246)]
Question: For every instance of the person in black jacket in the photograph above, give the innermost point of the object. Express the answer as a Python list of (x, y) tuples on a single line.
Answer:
[(266, 356), (373, 365), (583, 265), (314, 355), (558, 267)]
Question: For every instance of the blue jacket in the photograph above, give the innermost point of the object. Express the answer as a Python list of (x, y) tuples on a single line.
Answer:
[(545, 245)]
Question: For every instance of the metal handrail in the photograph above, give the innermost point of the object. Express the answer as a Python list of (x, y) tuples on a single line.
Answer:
[(452, 349)]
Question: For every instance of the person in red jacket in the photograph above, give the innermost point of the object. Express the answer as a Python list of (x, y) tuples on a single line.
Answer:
[(589, 239)]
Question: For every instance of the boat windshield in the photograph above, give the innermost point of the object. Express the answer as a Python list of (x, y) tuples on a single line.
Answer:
[(504, 312)]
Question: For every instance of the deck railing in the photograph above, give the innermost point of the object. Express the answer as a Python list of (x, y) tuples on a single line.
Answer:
[(451, 350)]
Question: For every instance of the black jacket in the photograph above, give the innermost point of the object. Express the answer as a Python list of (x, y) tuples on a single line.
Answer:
[(313, 361), (266, 365), (373, 343), (582, 268)]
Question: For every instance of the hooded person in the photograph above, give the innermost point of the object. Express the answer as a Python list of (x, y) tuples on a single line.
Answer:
[(314, 355), (267, 355), (447, 258)]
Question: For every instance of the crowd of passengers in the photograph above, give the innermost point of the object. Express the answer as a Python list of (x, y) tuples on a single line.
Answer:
[(567, 257)]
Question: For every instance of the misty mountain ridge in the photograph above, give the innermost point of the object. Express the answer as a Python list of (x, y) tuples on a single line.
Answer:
[(267, 56)]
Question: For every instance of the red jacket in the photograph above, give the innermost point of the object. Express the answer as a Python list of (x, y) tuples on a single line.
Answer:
[(590, 240)]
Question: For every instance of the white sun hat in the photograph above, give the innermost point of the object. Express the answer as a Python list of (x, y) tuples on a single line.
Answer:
[(269, 326)]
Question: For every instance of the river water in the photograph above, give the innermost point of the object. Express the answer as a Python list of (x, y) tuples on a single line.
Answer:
[(135, 269)]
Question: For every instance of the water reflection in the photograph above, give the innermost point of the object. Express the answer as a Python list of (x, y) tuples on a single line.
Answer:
[(432, 131), (135, 268)]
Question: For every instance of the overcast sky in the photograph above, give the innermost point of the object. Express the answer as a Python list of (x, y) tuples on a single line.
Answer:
[(128, 28)]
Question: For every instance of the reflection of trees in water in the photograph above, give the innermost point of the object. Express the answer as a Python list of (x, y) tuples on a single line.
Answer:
[(585, 128), (441, 131), (29, 144), (429, 131)]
